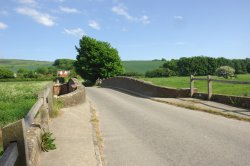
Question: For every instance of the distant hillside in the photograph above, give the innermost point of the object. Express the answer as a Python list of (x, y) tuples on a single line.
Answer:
[(15, 64), (141, 66), (130, 66)]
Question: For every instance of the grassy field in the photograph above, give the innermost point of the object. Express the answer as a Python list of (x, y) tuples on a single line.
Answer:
[(141, 66), (15, 64), (16, 98), (218, 88)]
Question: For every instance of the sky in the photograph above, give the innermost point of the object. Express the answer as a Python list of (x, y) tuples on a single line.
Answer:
[(138, 29)]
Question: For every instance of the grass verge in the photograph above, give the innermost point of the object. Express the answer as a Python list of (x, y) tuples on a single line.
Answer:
[(196, 108), (98, 140), (1, 150), (56, 106)]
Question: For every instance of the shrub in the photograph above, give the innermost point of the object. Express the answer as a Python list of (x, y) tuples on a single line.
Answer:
[(225, 71), (6, 73), (161, 72)]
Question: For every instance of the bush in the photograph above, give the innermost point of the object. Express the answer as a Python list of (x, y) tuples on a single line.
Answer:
[(225, 71), (6, 73), (161, 72)]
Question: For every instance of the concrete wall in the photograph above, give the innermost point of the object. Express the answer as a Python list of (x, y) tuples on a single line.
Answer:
[(236, 101), (76, 93), (144, 88)]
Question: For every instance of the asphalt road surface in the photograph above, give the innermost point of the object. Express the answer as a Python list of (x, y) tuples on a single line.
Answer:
[(141, 132)]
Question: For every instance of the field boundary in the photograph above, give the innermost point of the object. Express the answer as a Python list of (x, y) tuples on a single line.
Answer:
[(27, 131), (238, 101)]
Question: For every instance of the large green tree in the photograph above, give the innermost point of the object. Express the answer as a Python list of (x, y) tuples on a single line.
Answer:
[(97, 59), (64, 64)]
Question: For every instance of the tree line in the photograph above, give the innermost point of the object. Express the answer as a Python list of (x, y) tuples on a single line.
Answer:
[(41, 73), (199, 65)]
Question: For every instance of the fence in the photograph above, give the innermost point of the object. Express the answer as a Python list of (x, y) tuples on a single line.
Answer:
[(209, 80), (15, 138)]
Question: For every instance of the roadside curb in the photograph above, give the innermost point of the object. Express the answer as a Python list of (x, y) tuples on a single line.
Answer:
[(95, 142)]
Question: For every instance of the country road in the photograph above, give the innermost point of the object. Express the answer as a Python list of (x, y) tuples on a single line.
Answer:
[(141, 132)]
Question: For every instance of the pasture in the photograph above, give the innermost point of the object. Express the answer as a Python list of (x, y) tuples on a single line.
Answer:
[(15, 64), (141, 66), (16, 99), (218, 88)]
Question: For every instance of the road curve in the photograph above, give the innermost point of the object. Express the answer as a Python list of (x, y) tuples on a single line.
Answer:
[(141, 132)]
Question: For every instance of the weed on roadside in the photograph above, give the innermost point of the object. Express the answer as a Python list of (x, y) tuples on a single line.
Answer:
[(47, 142), (56, 106)]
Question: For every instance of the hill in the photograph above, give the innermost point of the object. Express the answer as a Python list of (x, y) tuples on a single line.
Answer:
[(141, 66), (15, 64), (130, 66)]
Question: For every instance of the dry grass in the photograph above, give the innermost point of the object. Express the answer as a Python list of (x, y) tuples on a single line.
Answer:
[(99, 140)]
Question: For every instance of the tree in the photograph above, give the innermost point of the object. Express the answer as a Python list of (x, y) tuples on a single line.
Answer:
[(225, 71), (97, 59), (6, 73), (42, 70), (64, 64)]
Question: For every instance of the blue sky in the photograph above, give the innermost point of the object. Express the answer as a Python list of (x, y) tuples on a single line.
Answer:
[(139, 29)]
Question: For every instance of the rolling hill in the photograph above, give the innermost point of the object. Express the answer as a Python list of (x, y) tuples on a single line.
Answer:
[(15, 64), (130, 66)]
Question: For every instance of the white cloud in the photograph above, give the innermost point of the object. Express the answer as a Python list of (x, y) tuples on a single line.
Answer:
[(145, 20), (28, 2), (68, 10), (93, 24), (78, 32), (123, 11), (42, 18), (178, 17), (3, 25)]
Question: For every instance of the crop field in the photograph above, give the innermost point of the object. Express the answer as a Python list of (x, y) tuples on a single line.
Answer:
[(218, 88), (16, 98), (141, 66), (15, 64)]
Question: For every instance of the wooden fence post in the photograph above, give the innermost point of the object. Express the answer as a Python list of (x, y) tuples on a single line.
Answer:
[(16, 132), (209, 87), (191, 85)]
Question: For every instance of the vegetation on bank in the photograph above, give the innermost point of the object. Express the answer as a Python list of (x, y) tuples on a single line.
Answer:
[(16, 99), (218, 88)]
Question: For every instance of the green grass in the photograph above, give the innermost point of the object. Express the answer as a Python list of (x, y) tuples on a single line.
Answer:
[(15, 64), (141, 66), (16, 99), (218, 88), (130, 66)]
